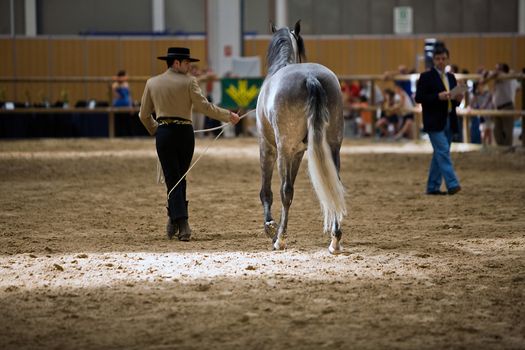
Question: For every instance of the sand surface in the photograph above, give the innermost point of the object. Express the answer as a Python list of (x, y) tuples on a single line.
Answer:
[(85, 264)]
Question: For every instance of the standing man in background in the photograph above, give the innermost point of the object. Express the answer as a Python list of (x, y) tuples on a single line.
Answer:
[(172, 95), (503, 98), (440, 121)]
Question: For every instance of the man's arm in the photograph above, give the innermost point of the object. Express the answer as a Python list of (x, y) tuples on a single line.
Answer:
[(146, 109), (202, 105), (424, 93)]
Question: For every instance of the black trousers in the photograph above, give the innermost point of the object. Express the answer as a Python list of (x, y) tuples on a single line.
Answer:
[(175, 145)]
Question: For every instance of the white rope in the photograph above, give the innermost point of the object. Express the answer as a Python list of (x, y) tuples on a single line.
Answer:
[(206, 149), (211, 129)]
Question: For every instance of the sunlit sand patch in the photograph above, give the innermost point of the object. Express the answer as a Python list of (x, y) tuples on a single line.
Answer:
[(80, 270)]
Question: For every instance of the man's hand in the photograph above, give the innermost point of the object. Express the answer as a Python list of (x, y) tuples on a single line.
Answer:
[(444, 95), (234, 118)]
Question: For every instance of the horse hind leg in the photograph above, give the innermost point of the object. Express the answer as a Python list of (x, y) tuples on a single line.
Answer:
[(288, 168), (279, 241), (336, 234), (267, 158)]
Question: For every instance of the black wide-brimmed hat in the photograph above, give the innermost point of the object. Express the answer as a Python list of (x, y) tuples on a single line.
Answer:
[(181, 53)]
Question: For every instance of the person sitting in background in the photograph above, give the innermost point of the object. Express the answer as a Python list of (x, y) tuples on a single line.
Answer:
[(376, 96), (365, 116), (403, 105), (350, 91), (388, 124), (121, 91)]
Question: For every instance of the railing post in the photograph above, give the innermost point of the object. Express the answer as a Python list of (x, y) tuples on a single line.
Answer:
[(466, 129), (419, 123), (523, 116), (111, 123), (466, 119)]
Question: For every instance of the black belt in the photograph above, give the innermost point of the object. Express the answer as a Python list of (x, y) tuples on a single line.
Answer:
[(173, 120)]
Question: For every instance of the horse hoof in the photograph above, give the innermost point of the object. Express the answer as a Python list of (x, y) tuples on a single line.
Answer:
[(279, 245), (335, 250), (270, 227)]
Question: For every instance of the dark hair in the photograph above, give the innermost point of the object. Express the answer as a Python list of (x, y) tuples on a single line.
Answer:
[(439, 50), (121, 73), (504, 67), (170, 61)]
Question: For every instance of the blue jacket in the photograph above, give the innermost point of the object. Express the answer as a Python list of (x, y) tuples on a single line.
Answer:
[(435, 111)]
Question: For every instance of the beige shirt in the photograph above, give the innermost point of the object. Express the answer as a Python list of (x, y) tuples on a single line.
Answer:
[(172, 94)]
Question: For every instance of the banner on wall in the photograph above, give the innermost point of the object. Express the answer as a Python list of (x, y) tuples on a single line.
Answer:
[(240, 93)]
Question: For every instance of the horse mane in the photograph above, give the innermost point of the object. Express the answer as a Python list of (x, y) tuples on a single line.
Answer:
[(281, 52)]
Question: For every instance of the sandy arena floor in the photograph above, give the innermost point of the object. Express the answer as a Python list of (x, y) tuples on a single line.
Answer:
[(84, 262)]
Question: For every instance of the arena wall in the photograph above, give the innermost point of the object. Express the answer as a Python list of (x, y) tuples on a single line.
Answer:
[(87, 57)]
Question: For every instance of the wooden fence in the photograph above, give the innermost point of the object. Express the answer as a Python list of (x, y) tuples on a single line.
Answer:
[(373, 79)]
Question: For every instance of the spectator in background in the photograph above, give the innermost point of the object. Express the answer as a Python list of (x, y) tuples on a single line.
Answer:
[(503, 97), (120, 90), (388, 124), (404, 105), (124, 124), (481, 99), (365, 116), (439, 120), (454, 69), (351, 92), (366, 90), (405, 84)]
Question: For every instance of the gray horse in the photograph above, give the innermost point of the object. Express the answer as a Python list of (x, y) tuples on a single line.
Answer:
[(300, 109)]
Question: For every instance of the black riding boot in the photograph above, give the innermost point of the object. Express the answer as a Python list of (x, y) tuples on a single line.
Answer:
[(184, 227), (184, 230), (171, 228)]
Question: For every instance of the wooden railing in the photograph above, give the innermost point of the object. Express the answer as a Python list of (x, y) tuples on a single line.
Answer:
[(372, 78)]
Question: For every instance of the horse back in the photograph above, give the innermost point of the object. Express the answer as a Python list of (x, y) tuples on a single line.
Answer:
[(283, 98)]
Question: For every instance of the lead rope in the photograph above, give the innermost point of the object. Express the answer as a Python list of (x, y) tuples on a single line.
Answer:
[(159, 168)]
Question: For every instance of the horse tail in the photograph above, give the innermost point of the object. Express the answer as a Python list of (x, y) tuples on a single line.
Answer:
[(321, 166)]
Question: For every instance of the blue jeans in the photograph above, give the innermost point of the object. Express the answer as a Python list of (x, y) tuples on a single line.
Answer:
[(441, 164)]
